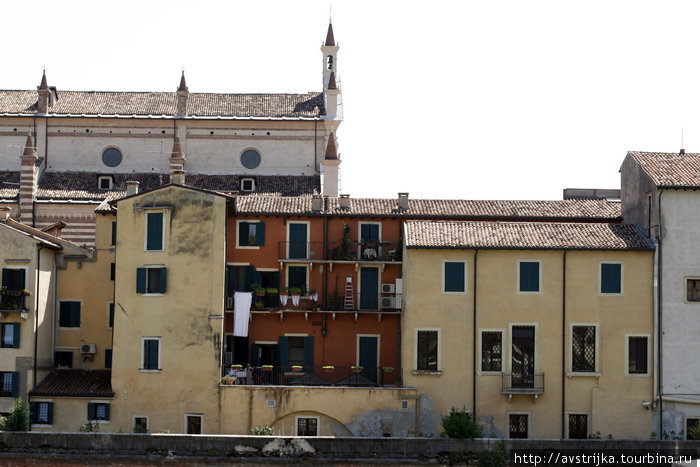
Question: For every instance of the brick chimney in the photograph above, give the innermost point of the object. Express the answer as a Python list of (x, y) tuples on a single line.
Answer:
[(177, 163), (344, 201), (403, 201), (28, 182)]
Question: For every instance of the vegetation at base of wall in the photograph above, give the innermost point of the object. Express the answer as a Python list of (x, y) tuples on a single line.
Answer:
[(263, 430), (459, 424), (18, 418), (90, 427), (140, 429), (694, 432), (493, 457)]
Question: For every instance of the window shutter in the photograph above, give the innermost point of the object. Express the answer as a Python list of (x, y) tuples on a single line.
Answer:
[(111, 315), (108, 358), (610, 276), (33, 411), (141, 280), (454, 277), (154, 239), (15, 336), (22, 284), (153, 354), (50, 413), (162, 280), (284, 350), (257, 277), (106, 411), (112, 268), (276, 279), (249, 273), (91, 411), (114, 233), (75, 314), (260, 234), (6, 278), (242, 233), (255, 358), (529, 276), (15, 384), (309, 351)]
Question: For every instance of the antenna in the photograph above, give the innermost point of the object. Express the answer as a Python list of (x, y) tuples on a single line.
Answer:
[(682, 142), (330, 12)]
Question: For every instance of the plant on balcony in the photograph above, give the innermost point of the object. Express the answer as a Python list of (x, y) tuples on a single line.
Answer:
[(356, 368), (228, 380), (10, 306), (237, 367), (344, 248), (271, 291), (313, 295), (459, 424), (388, 369), (258, 290), (297, 367)]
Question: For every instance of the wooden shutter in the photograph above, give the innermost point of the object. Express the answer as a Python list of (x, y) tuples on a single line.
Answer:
[(284, 350), (15, 336), (610, 278), (162, 280), (243, 234), (106, 411), (141, 280), (255, 358), (114, 233), (6, 278), (276, 279), (33, 412), (260, 234), (153, 354), (309, 351), (154, 237), (49, 413), (249, 274), (15, 384), (91, 411)]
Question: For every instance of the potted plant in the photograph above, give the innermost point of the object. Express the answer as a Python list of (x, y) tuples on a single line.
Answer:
[(237, 367), (295, 292), (356, 368), (228, 380), (297, 368), (267, 367), (258, 290), (328, 368), (313, 295), (284, 295), (271, 291)]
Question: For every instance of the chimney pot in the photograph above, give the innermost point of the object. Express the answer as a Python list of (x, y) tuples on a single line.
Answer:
[(403, 201), (178, 177), (316, 203), (682, 151), (132, 187), (344, 201)]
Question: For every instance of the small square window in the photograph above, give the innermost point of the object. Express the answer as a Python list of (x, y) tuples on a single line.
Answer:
[(105, 183), (251, 234), (610, 278), (247, 184), (693, 290), (307, 426), (41, 413), (151, 280), (692, 428), (98, 411), (454, 277), (63, 359), (9, 383), (529, 276), (69, 315), (193, 424), (140, 424)]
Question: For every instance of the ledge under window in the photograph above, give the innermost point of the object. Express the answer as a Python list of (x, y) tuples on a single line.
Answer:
[(149, 370), (426, 372), (570, 374)]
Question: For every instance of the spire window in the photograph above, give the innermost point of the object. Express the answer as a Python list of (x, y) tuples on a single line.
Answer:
[(329, 62)]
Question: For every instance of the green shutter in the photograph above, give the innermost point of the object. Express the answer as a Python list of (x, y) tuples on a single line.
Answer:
[(75, 314), (91, 411), (6, 278), (257, 278), (50, 413), (33, 412), (15, 336), (108, 358), (107, 411), (454, 277), (111, 315), (260, 234), (255, 357), (15, 384), (249, 273), (154, 238), (610, 278), (276, 279), (309, 351), (162, 280), (242, 234), (529, 276), (284, 351), (153, 354), (114, 233), (141, 280)]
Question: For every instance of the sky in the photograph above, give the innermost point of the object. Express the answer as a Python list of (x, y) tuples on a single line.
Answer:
[(499, 99)]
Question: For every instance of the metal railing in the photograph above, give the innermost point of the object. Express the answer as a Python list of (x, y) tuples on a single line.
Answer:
[(315, 376), (360, 302), (351, 251), (518, 383)]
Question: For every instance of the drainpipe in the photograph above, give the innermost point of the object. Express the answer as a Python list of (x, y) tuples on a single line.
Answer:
[(563, 346), (476, 254), (36, 311), (661, 404)]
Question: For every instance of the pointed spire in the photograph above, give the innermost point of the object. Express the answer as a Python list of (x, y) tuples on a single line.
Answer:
[(183, 84), (331, 81), (44, 85), (330, 40), (29, 149), (177, 149), (331, 150)]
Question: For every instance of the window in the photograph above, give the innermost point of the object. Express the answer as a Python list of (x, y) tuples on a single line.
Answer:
[(578, 426), (69, 315), (111, 157), (610, 278), (250, 159), (104, 183), (427, 350), (296, 350), (10, 335), (454, 276), (110, 316), (691, 428), (114, 233), (583, 349), (154, 231), (10, 384), (108, 358), (247, 184), (98, 411), (637, 355), (151, 280), (63, 359), (193, 424), (140, 424), (693, 290), (111, 271), (41, 413), (296, 277), (517, 425), (13, 283), (295, 347), (491, 350), (307, 426), (529, 276), (151, 353), (251, 234)]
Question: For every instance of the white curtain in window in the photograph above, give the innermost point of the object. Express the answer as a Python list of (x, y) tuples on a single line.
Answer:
[(241, 313)]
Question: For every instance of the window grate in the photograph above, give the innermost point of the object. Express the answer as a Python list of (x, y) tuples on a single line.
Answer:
[(518, 425), (578, 426), (491, 351), (583, 352)]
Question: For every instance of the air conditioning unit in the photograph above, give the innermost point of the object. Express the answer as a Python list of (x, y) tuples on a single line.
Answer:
[(388, 288), (387, 302), (399, 286), (229, 303), (88, 349)]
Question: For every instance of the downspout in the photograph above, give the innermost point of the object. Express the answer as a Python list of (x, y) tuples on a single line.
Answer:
[(563, 346), (661, 374), (54, 329), (36, 311), (474, 335), (316, 166)]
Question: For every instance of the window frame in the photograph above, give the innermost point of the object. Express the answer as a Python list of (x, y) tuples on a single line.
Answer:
[(142, 368), (318, 424), (164, 213), (529, 423), (566, 425), (360, 248), (14, 384), (685, 291), (600, 279), (685, 425), (239, 246), (481, 370), (416, 370), (308, 239), (247, 179), (40, 424), (464, 290), (596, 369), (627, 360), (540, 285), (108, 411), (148, 422), (201, 422), (102, 178), (296, 265), (162, 283), (80, 314), (25, 269), (16, 335)]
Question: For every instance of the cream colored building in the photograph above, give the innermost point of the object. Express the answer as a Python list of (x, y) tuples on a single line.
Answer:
[(541, 330)]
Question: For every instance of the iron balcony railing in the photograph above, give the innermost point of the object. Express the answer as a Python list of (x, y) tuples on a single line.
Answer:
[(517, 383), (329, 375), (366, 302), (366, 251)]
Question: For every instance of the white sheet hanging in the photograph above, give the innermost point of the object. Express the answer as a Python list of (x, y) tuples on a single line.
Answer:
[(241, 313)]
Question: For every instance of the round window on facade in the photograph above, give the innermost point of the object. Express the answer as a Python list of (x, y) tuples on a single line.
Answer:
[(250, 159), (112, 157)]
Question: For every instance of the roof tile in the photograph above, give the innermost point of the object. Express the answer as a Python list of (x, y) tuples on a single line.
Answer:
[(670, 169), (75, 383)]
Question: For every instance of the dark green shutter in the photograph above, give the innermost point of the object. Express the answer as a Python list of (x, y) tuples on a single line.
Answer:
[(153, 354), (309, 351), (257, 278), (111, 315), (255, 357), (154, 238), (15, 384), (91, 411), (284, 350), (610, 278), (107, 411), (260, 234), (33, 412), (162, 280), (75, 314), (15, 336), (64, 314), (114, 233), (141, 280), (249, 273), (6, 278), (111, 271), (529, 276), (276, 279), (454, 277), (50, 413), (108, 358), (243, 234)]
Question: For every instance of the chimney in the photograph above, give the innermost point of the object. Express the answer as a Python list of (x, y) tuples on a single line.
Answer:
[(177, 162), (403, 201), (132, 187), (28, 182), (44, 94), (682, 151), (177, 177), (316, 203), (344, 201)]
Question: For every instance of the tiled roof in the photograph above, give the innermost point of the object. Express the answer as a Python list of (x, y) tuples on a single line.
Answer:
[(445, 208), (293, 106), (670, 169), (9, 185), (75, 383), (524, 235), (83, 185), (43, 238)]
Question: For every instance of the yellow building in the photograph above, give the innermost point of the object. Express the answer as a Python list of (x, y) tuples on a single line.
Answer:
[(541, 330)]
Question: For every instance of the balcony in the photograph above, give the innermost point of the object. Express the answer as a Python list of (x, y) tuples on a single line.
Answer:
[(358, 302), (337, 252), (13, 300), (517, 383), (329, 376)]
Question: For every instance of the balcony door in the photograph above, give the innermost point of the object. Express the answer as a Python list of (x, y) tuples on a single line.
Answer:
[(298, 237), (369, 288), (523, 357), (368, 352)]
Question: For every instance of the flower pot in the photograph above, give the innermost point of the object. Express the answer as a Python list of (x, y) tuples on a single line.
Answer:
[(297, 368)]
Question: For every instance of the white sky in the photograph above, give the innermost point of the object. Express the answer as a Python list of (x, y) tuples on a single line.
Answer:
[(443, 99)]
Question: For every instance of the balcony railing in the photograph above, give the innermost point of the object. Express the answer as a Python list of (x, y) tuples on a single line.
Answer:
[(352, 251), (13, 300), (515, 383), (315, 376), (357, 302)]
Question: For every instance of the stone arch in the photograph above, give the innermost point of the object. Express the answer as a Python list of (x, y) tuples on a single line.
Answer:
[(336, 427)]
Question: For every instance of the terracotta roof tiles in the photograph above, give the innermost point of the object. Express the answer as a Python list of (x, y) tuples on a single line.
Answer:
[(75, 383), (670, 169)]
